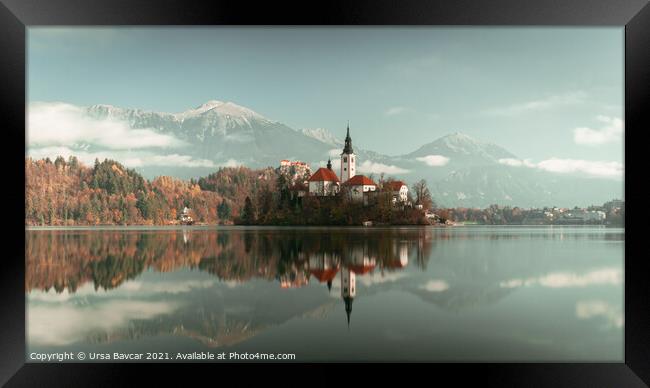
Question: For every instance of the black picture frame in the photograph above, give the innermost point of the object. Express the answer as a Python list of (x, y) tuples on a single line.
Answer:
[(16, 15)]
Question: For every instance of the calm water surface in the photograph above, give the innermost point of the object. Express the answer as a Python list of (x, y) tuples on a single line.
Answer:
[(430, 294)]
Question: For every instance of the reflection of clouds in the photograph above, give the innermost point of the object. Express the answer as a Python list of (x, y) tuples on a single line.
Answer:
[(131, 286), (598, 308), (232, 283), (377, 278), (367, 280), (66, 324), (606, 276), (177, 287), (435, 286)]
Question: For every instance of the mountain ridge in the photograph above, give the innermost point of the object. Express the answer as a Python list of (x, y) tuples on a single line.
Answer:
[(460, 169)]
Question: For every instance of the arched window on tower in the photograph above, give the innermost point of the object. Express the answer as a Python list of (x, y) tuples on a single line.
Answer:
[(345, 159)]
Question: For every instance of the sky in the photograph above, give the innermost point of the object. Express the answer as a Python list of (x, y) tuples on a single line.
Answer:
[(541, 93)]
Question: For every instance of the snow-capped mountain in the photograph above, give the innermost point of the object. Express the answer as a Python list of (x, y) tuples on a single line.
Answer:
[(463, 149), (323, 135), (224, 131), (460, 170)]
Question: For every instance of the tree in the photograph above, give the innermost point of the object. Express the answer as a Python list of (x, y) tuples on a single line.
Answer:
[(223, 210), (422, 194), (248, 212)]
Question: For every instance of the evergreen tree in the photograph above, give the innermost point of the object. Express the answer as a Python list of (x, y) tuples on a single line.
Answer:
[(248, 212), (223, 210)]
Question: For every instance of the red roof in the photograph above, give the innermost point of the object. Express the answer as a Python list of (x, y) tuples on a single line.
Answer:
[(324, 175), (324, 275), (359, 180), (361, 269), (395, 185)]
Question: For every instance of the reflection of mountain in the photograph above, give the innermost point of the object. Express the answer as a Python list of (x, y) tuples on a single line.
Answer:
[(223, 287), (215, 316), (460, 170)]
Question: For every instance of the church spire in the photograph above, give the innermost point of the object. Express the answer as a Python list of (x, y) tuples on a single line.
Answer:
[(348, 142), (348, 308), (329, 163)]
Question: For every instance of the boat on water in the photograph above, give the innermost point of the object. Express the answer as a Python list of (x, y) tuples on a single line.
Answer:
[(366, 223)]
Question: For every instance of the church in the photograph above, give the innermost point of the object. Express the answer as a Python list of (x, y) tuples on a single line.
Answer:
[(325, 182)]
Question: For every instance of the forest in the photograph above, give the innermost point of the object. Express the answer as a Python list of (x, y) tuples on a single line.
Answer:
[(66, 192)]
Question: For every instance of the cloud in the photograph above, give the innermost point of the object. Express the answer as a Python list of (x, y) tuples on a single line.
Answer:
[(516, 162), (230, 163), (168, 160), (605, 276), (612, 131), (334, 152), (599, 308), (131, 159), (600, 169), (367, 167), (542, 104), (60, 129), (370, 167), (434, 160), (397, 110), (64, 324), (435, 286), (61, 124)]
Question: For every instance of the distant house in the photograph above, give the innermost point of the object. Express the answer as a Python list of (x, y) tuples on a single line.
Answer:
[(324, 182), (360, 186), (399, 190), (185, 218)]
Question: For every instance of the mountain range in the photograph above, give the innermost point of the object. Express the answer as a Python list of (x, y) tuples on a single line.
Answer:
[(460, 170)]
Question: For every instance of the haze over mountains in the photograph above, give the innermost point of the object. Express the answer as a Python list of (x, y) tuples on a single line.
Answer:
[(460, 170)]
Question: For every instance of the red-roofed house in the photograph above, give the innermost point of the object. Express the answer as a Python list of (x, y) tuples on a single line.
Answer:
[(359, 185), (324, 182), (399, 189)]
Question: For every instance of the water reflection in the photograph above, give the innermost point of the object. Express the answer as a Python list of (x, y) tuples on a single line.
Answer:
[(67, 260), (258, 287)]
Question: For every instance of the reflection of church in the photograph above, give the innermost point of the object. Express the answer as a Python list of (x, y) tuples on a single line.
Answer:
[(355, 260)]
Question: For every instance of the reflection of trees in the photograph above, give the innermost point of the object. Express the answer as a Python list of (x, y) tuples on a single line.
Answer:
[(68, 259)]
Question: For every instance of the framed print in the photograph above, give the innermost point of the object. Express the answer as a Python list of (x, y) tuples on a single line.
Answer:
[(365, 182)]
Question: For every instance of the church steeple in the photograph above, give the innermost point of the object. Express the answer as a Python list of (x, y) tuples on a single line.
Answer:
[(329, 163), (348, 307), (348, 142), (348, 291), (347, 158)]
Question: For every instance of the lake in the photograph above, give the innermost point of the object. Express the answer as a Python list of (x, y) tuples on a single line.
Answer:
[(474, 293)]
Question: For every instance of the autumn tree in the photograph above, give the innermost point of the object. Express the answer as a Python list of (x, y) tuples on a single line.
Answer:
[(422, 194)]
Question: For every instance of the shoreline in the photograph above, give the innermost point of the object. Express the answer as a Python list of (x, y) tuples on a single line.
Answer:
[(253, 227)]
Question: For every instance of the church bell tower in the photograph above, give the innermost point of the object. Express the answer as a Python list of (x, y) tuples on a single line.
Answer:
[(348, 162), (348, 290)]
